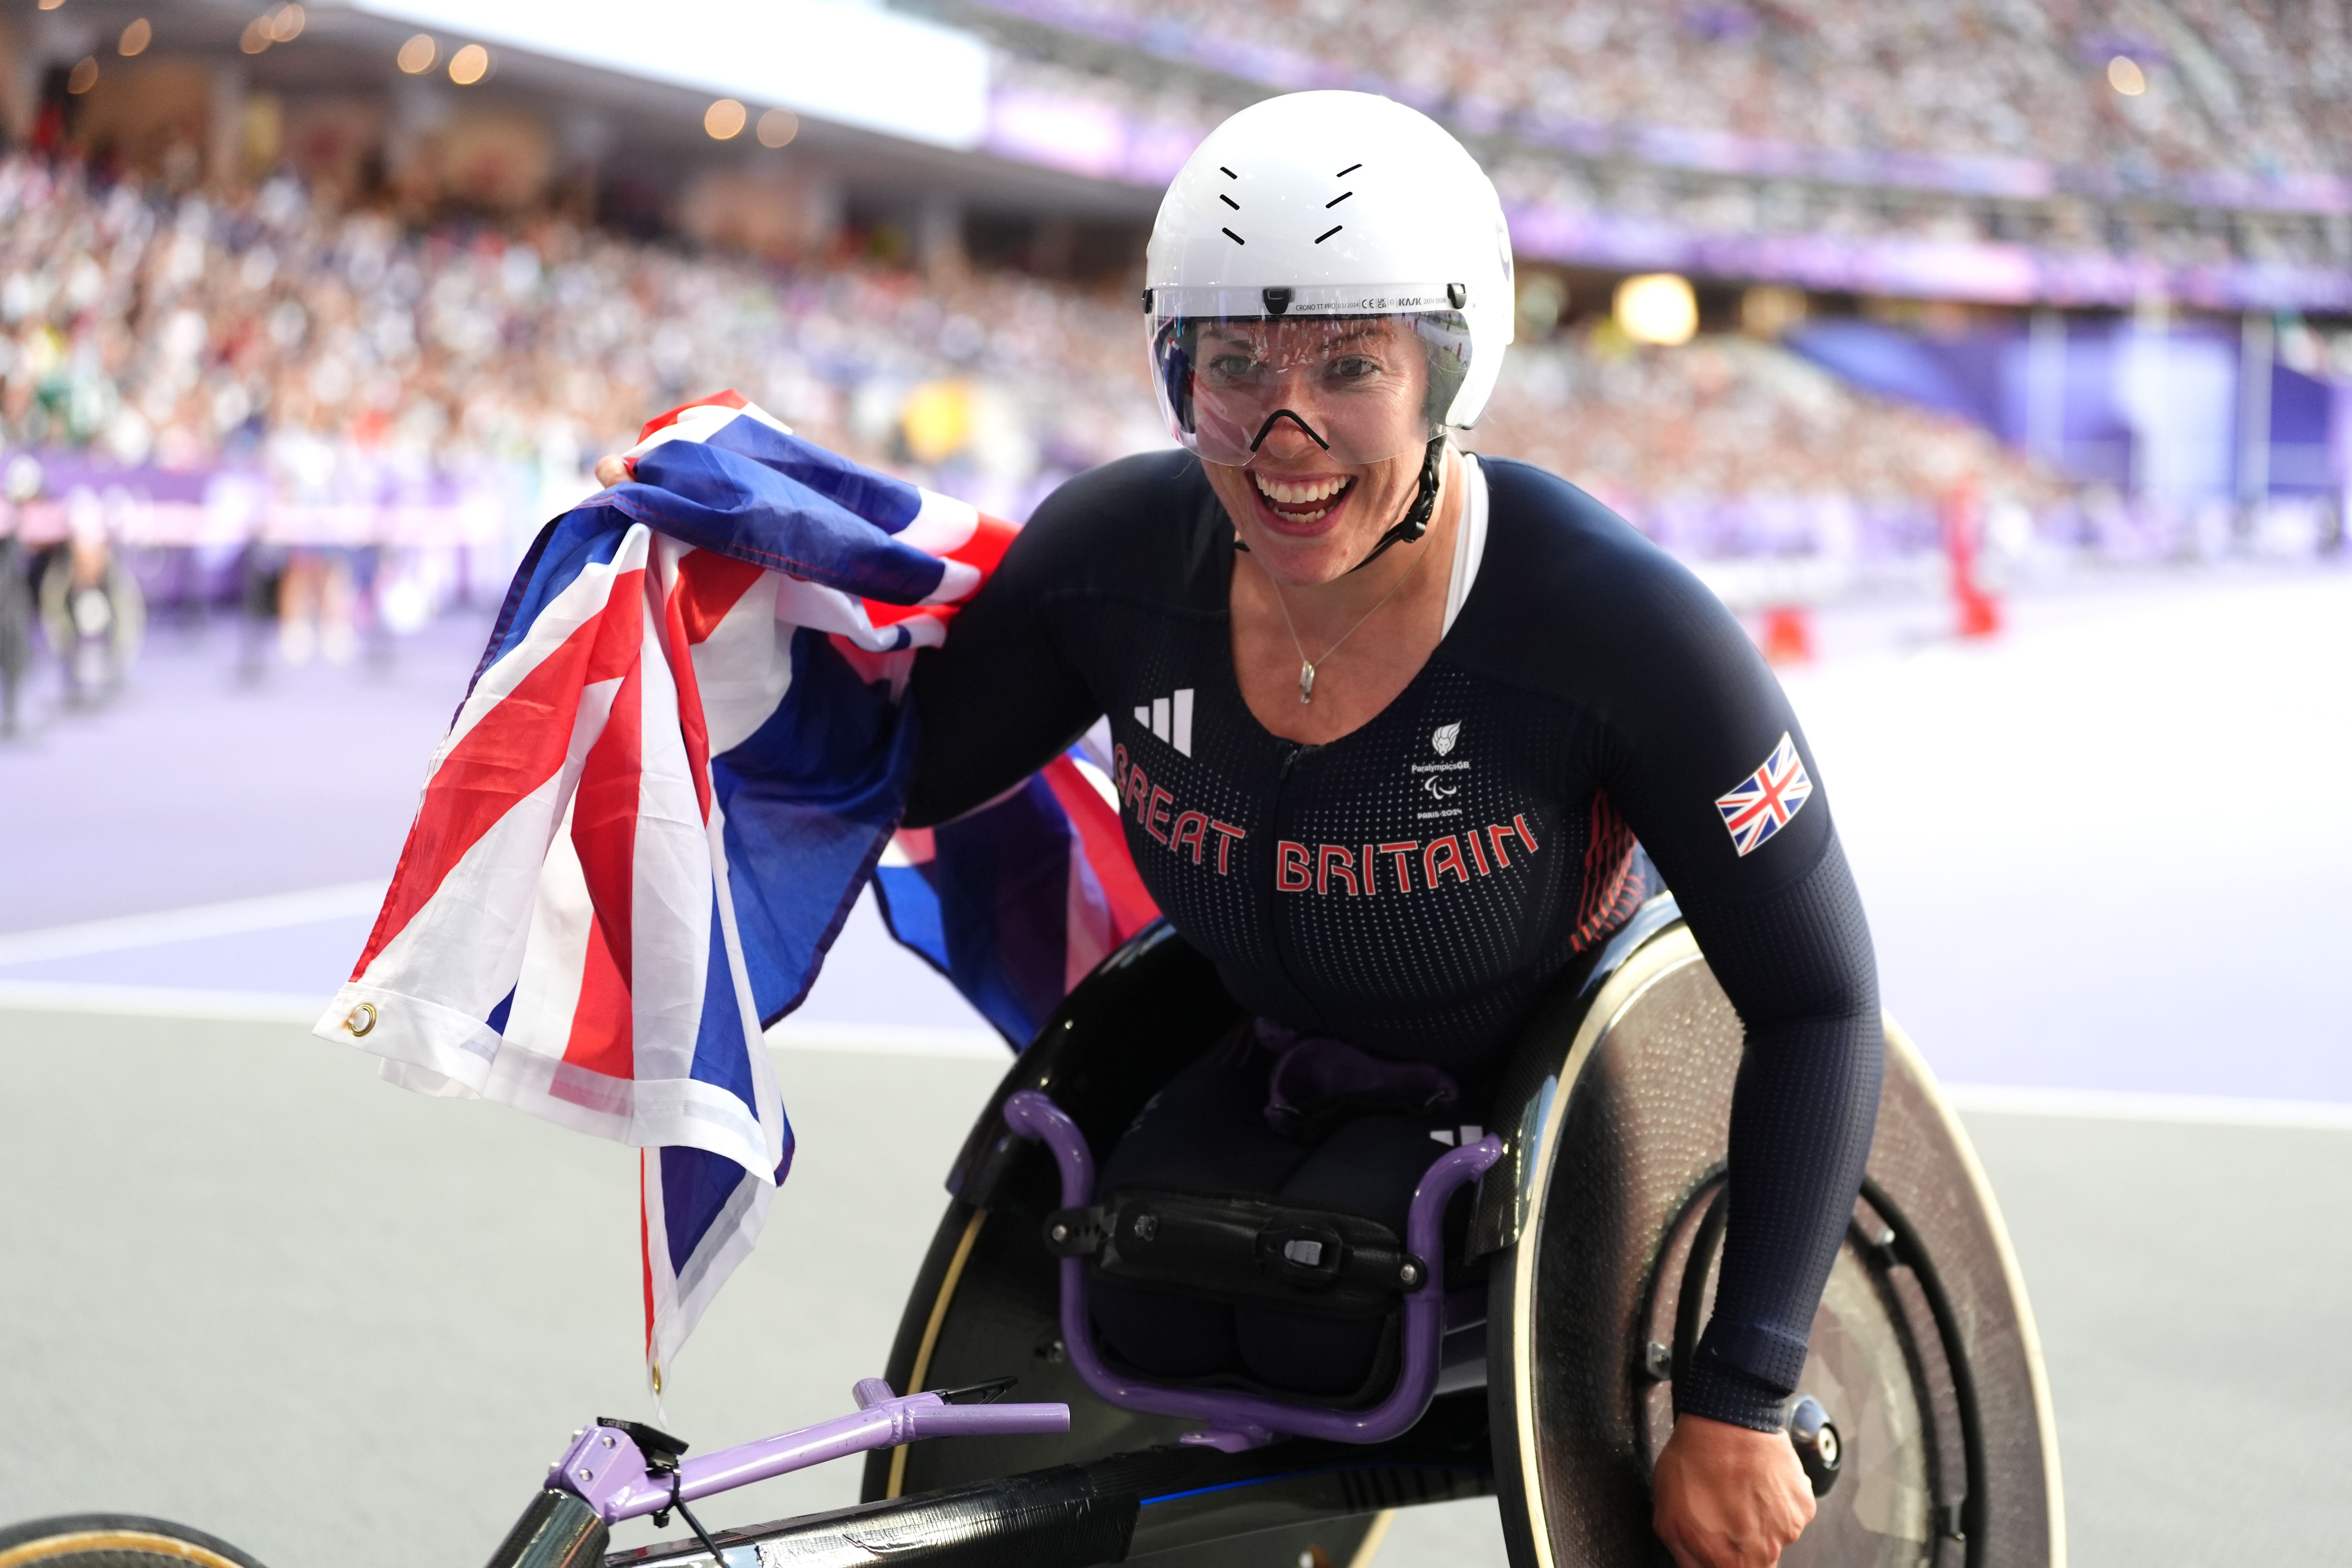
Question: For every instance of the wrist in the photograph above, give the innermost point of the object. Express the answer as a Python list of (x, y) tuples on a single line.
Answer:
[(1716, 1393)]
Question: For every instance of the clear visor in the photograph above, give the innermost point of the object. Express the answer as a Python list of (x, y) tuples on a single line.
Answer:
[(1358, 388)]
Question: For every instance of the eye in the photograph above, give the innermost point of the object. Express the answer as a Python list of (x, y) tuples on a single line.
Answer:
[(1232, 367), (1353, 367)]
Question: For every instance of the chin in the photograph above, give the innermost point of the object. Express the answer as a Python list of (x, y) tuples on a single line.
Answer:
[(1310, 560)]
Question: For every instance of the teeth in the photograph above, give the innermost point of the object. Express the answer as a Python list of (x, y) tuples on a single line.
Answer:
[(1299, 492)]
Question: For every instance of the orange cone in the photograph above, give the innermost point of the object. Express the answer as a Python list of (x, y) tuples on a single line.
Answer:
[(1978, 612), (1788, 637)]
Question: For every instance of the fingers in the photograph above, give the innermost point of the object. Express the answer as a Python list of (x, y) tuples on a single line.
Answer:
[(1683, 1558), (1718, 1549), (1728, 1498), (612, 468)]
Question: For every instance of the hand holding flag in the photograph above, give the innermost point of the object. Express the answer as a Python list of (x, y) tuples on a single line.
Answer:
[(680, 759)]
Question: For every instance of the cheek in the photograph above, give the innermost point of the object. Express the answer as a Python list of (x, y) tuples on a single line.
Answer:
[(1232, 487), (1385, 491)]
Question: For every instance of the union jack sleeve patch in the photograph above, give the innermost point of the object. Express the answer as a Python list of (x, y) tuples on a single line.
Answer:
[(1762, 803)]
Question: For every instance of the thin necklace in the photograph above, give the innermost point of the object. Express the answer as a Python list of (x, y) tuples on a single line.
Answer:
[(1306, 665)]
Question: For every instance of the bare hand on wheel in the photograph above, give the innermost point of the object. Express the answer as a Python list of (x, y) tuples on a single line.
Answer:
[(1726, 1497)]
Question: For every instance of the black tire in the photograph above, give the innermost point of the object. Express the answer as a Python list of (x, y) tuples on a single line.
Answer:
[(114, 1541), (1923, 1349)]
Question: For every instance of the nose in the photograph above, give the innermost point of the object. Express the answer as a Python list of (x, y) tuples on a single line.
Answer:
[(1287, 433)]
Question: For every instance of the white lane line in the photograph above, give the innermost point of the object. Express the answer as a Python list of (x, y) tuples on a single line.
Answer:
[(289, 1007), (2120, 1105), (888, 1040), (339, 901)]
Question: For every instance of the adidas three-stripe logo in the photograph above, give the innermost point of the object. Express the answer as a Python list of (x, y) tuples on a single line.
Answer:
[(1171, 720)]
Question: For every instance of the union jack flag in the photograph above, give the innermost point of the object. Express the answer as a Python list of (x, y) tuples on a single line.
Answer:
[(1763, 802), (683, 755)]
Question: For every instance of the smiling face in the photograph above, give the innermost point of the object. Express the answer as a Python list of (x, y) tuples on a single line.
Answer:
[(1336, 410)]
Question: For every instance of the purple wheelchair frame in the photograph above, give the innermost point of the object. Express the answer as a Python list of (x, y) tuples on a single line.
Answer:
[(1238, 1421), (605, 1467)]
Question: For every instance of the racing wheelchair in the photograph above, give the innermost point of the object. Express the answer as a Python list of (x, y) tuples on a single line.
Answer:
[(1532, 1360)]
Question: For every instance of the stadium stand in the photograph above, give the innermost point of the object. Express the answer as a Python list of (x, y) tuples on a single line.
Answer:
[(2195, 136), (328, 349), (345, 315), (183, 333)]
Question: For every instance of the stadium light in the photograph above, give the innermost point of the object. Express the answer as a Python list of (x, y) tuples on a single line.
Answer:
[(778, 127), (470, 65), (255, 37), (135, 38), (85, 75), (1657, 308), (286, 23), (417, 56), (723, 120), (2126, 77), (51, 5)]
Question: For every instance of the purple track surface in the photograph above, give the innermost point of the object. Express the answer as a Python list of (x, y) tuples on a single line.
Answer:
[(2102, 852)]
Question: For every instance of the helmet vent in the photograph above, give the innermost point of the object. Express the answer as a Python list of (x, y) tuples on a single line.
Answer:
[(1348, 171), (1229, 201), (1231, 176), (1329, 232), (1229, 234), (1335, 200)]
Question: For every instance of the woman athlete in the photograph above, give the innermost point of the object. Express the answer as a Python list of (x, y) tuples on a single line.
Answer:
[(1398, 734)]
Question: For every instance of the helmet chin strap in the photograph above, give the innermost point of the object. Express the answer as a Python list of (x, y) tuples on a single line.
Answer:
[(1409, 528)]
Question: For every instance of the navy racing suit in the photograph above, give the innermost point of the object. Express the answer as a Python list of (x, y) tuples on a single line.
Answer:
[(1413, 886)]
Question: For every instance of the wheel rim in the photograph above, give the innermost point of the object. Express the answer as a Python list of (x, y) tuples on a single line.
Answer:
[(1934, 1381), (1872, 1367)]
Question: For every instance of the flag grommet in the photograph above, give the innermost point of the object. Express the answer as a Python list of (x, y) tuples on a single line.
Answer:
[(361, 1019)]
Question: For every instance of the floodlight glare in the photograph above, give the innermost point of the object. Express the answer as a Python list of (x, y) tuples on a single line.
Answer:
[(1657, 308), (778, 126), (723, 119)]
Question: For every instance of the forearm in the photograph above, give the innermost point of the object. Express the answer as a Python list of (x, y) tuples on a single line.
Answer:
[(1802, 1114)]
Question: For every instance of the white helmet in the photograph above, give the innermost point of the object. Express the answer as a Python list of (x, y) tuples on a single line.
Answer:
[(1326, 204)]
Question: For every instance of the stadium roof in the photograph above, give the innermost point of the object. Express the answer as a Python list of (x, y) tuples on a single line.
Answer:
[(853, 64)]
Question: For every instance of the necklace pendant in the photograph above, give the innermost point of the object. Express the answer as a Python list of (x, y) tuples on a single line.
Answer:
[(1306, 682)]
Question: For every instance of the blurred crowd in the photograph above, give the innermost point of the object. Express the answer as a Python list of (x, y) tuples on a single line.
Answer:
[(2219, 84), (1596, 107), (1725, 418), (330, 351), (268, 343), (315, 347), (322, 353)]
